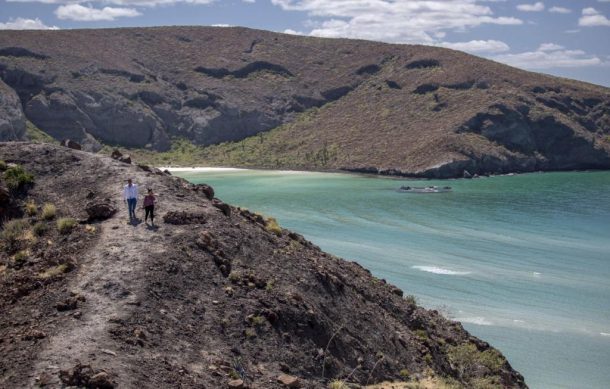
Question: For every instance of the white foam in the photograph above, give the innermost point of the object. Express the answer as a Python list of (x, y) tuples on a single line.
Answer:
[(604, 334), (478, 320), (199, 169), (536, 274), (441, 270)]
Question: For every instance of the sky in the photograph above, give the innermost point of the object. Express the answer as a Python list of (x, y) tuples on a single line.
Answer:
[(567, 38)]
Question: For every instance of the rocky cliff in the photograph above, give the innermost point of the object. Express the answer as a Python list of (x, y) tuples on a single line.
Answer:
[(334, 103), (213, 296)]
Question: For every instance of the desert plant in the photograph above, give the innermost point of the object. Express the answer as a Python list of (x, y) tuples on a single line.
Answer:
[(410, 299), (337, 384), (17, 178), (30, 208), (2, 165), (54, 271), (48, 211), (21, 256), (39, 228), (12, 232), (66, 224), (272, 226), (466, 357), (405, 374)]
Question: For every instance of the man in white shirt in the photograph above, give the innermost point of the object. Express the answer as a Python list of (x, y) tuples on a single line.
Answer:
[(130, 196)]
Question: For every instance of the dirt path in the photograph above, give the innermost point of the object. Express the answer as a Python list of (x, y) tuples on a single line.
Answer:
[(110, 280)]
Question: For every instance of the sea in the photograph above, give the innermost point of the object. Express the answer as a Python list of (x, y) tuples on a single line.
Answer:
[(523, 261)]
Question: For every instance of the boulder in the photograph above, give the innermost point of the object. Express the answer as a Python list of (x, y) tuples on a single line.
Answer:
[(100, 211), (206, 189), (116, 154), (225, 208), (71, 144), (236, 384), (289, 381)]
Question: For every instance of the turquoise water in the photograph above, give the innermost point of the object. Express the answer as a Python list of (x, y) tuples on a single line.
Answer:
[(522, 261)]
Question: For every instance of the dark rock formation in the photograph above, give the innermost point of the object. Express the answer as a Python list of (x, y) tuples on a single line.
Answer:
[(71, 144)]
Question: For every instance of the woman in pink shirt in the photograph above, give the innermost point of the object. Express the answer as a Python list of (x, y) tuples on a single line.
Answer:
[(149, 206)]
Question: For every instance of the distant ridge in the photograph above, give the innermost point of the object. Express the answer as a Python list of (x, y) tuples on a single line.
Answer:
[(331, 103)]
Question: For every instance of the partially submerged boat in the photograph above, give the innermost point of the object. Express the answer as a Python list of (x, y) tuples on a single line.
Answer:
[(424, 189)]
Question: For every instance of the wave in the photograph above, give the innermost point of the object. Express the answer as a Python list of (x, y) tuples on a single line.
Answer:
[(478, 320), (441, 270), (604, 334)]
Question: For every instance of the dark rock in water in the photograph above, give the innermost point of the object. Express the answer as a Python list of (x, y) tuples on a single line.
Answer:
[(225, 208), (467, 174), (100, 211), (71, 144)]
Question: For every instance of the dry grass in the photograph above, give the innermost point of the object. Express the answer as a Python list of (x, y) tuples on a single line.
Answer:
[(54, 271), (48, 211), (66, 224)]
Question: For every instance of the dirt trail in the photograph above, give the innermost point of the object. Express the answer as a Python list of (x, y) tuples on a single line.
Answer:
[(110, 285)]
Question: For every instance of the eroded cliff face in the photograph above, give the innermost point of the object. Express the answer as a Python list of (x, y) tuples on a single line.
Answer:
[(12, 120), (211, 294), (390, 109)]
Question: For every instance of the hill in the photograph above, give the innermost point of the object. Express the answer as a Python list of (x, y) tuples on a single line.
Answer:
[(211, 295), (331, 103)]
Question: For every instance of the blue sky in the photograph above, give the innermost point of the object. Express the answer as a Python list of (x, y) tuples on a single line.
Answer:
[(568, 38)]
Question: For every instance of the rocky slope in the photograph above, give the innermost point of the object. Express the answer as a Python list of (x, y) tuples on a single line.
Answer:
[(355, 105), (213, 295)]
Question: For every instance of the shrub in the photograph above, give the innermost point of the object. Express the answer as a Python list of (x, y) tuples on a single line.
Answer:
[(2, 165), (410, 299), (30, 208), (66, 224), (467, 357), (39, 228), (17, 178), (234, 277), (48, 211), (21, 256), (337, 384), (54, 271), (272, 226), (404, 373), (12, 232)]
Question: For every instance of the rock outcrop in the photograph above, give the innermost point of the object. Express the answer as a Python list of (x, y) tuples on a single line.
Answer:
[(208, 298), (396, 109)]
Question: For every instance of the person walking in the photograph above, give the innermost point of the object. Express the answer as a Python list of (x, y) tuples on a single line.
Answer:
[(130, 196), (149, 207)]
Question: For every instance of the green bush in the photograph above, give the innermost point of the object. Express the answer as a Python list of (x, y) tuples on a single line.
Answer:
[(66, 224), (337, 384), (48, 211), (17, 178), (2, 165), (467, 357), (12, 232)]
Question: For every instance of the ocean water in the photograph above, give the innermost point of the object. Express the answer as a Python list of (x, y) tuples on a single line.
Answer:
[(522, 261)]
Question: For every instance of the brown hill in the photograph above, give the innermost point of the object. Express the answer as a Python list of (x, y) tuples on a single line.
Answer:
[(356, 105), (211, 294)]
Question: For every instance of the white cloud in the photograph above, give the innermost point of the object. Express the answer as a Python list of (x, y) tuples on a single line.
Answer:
[(591, 17), (478, 46), (26, 24), (221, 25), (550, 56), (249, 1), (560, 10), (550, 47), (293, 32), (90, 14), (132, 3), (536, 7), (414, 21)]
